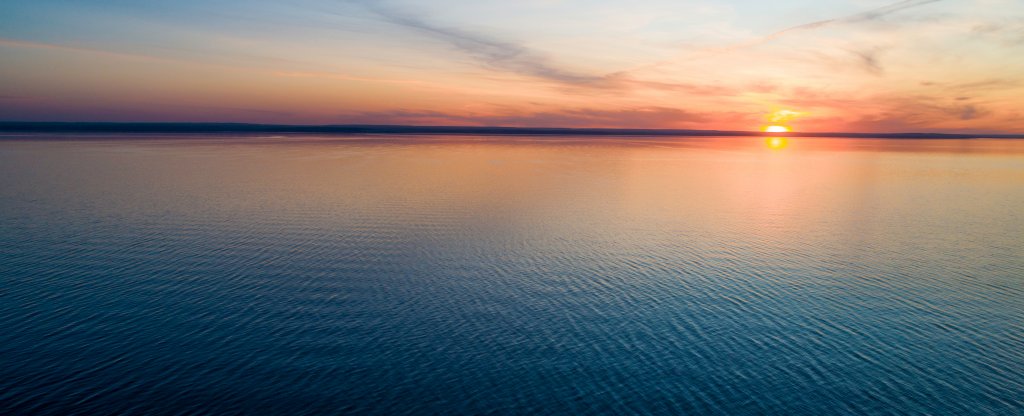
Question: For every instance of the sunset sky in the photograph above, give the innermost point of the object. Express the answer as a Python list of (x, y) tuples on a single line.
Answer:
[(813, 65)]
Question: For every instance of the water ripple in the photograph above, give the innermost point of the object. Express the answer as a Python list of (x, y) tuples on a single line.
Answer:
[(472, 276)]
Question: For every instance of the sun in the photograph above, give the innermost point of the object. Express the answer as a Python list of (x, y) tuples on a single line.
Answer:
[(776, 129)]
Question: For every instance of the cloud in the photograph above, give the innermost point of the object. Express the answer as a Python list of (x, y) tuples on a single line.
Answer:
[(624, 80), (783, 116), (494, 53), (26, 44), (639, 117), (1009, 33), (976, 87), (896, 112), (502, 55), (866, 16), (17, 43), (870, 61), (886, 10), (969, 112)]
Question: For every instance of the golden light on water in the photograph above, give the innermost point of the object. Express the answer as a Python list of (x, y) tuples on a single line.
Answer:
[(777, 143)]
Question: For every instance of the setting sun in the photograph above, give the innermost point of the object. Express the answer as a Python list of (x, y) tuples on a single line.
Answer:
[(776, 129)]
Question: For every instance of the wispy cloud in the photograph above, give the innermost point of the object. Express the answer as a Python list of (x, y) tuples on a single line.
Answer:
[(870, 60), (866, 16), (1010, 33), (110, 53), (17, 43), (971, 87), (506, 56), (637, 117), (886, 10), (492, 52)]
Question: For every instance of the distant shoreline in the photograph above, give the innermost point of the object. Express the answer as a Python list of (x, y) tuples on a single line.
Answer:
[(101, 127)]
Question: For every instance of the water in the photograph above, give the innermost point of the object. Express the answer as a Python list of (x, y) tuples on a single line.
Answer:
[(470, 275)]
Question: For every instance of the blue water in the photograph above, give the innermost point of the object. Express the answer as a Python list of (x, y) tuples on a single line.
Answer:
[(482, 275)]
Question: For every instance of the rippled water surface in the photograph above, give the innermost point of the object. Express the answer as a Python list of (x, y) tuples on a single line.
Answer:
[(466, 275)]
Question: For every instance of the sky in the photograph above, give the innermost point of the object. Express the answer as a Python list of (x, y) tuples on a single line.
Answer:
[(810, 65)]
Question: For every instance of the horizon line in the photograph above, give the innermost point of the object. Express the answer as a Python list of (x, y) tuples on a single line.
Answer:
[(227, 127)]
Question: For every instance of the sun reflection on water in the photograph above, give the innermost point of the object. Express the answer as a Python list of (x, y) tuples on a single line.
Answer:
[(777, 143)]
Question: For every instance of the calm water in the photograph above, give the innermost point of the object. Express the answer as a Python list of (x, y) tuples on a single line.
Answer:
[(467, 275)]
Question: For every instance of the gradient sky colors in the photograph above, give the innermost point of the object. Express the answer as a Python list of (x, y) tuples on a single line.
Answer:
[(839, 65)]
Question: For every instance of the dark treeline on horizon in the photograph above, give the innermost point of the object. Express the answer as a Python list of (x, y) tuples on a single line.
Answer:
[(163, 127)]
